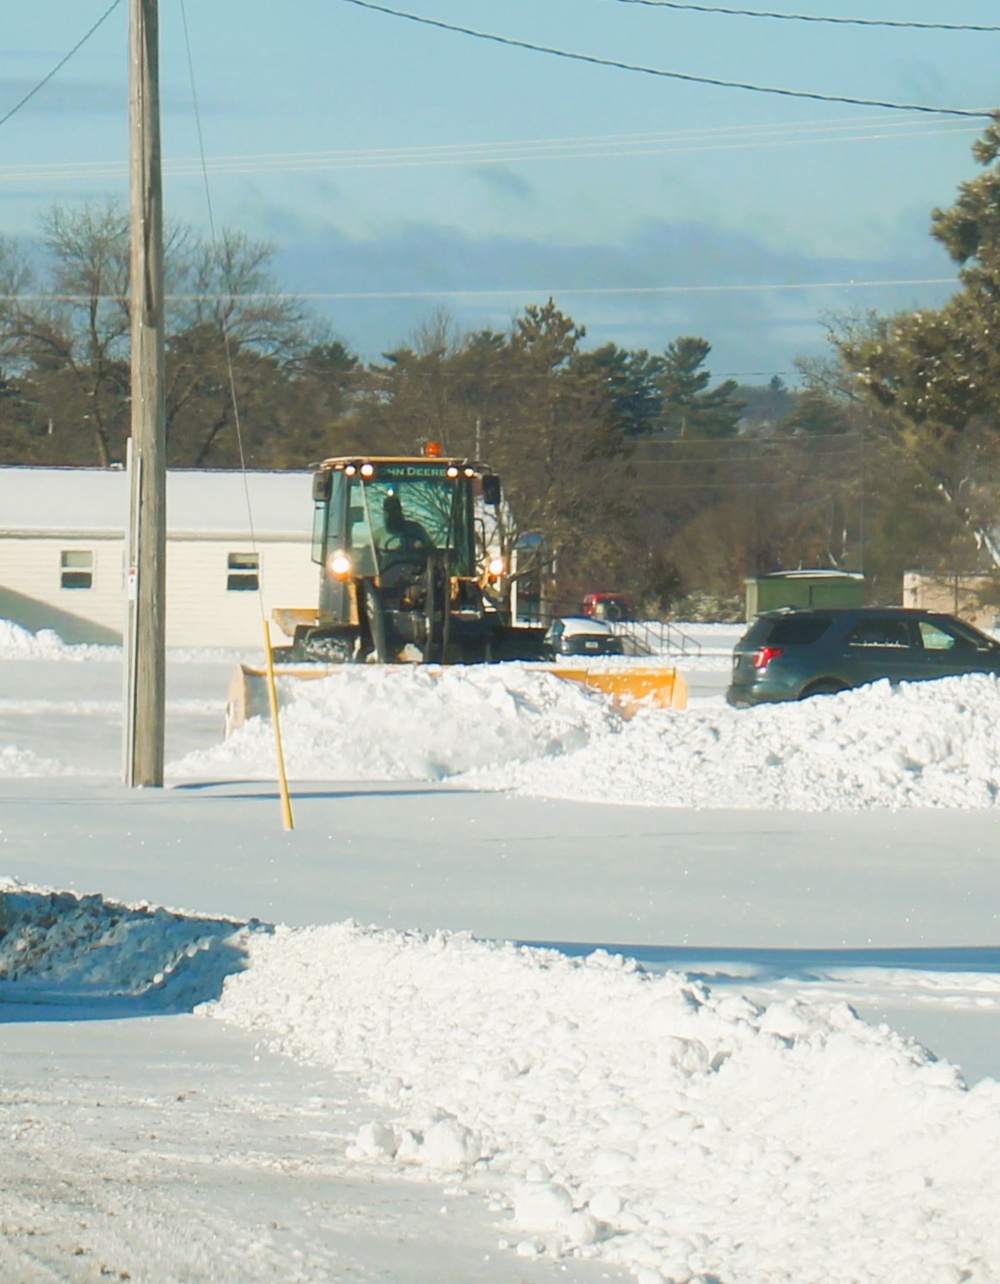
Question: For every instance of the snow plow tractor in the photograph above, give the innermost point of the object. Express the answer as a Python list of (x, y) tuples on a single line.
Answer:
[(406, 573), (409, 575)]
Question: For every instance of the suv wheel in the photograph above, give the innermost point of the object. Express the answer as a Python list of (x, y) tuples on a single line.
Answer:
[(827, 686)]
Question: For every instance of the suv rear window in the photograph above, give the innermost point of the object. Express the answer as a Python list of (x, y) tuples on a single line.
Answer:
[(798, 630)]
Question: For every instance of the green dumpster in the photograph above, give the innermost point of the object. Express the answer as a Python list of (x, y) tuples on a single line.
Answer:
[(803, 588)]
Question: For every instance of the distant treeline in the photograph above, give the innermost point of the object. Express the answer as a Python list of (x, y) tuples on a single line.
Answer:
[(641, 473)]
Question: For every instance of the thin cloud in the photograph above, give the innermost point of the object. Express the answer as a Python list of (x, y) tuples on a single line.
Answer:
[(504, 181), (62, 96), (752, 329)]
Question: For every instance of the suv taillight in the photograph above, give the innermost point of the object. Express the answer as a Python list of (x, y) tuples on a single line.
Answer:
[(763, 656)]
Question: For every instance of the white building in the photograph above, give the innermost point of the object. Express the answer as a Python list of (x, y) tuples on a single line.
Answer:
[(62, 552)]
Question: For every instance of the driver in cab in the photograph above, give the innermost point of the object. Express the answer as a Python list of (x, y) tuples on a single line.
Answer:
[(402, 535)]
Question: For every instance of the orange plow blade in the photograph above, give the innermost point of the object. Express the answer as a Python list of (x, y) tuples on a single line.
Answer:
[(632, 689), (629, 689), (248, 697)]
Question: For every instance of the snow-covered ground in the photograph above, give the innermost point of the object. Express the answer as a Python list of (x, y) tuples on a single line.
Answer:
[(477, 1019)]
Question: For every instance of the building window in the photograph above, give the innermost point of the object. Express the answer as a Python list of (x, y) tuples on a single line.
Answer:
[(244, 573), (76, 568)]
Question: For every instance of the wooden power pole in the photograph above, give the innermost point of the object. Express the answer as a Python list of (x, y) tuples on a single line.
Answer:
[(145, 651)]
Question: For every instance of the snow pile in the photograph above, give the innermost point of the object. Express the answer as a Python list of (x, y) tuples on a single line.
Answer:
[(410, 722), (520, 728), (84, 946), (645, 1121), (22, 762), (17, 643), (933, 744), (523, 730)]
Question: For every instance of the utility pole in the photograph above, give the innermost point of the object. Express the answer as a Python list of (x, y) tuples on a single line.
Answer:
[(145, 652)]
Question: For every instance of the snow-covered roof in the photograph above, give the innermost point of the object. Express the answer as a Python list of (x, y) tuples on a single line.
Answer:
[(574, 626), (95, 501), (820, 573)]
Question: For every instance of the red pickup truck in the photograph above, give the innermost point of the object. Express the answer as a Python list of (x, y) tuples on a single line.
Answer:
[(606, 606)]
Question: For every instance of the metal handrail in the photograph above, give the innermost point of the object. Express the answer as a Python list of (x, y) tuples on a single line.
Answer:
[(645, 637), (651, 636)]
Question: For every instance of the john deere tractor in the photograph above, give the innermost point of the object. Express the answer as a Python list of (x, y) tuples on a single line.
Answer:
[(406, 571)]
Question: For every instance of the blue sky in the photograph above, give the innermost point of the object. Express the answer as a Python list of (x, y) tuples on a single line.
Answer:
[(388, 159)]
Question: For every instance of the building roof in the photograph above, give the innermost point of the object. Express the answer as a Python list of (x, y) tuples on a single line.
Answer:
[(820, 573), (91, 502)]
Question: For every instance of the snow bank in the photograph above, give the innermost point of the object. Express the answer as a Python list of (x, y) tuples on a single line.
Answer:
[(22, 762), (646, 1121), (931, 744), (60, 945), (17, 643), (643, 1120), (412, 723), (522, 730)]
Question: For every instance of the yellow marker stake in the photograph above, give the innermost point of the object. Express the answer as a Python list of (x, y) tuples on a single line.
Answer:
[(272, 696)]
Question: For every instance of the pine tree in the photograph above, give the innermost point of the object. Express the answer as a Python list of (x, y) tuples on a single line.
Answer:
[(939, 368), (690, 408)]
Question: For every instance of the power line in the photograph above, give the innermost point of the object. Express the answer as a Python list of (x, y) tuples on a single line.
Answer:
[(386, 295), (806, 17), (668, 75), (590, 148), (234, 403), (62, 63), (502, 292)]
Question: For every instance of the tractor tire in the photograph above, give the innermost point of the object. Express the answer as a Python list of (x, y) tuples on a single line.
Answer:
[(376, 623), (429, 650), (437, 618)]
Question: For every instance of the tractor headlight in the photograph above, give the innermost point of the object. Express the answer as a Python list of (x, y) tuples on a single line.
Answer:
[(496, 567), (339, 565)]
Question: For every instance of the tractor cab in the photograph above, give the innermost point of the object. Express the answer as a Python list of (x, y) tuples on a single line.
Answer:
[(405, 573), (382, 513)]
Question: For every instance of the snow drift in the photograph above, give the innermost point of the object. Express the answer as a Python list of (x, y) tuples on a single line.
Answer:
[(413, 722), (58, 947), (929, 744), (520, 729), (641, 1119), (933, 744), (646, 1121), (17, 643)]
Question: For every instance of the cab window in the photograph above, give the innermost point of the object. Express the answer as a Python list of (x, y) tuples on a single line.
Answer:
[(359, 534)]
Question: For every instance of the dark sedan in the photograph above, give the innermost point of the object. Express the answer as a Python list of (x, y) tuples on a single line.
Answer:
[(582, 637), (792, 654)]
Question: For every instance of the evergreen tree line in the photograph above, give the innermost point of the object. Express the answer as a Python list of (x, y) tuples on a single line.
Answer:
[(641, 473)]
